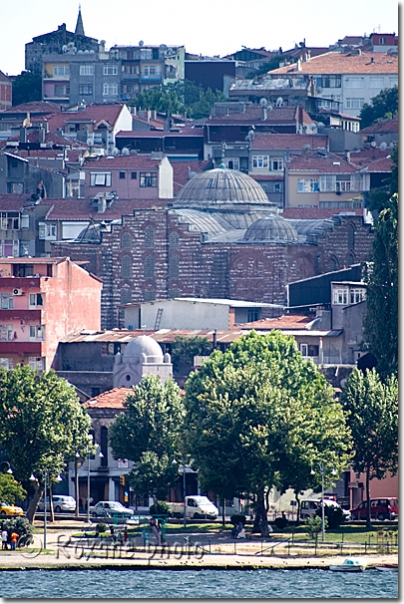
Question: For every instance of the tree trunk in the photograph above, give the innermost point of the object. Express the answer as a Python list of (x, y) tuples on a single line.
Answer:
[(368, 521), (33, 506), (261, 520), (223, 512), (76, 485), (298, 509)]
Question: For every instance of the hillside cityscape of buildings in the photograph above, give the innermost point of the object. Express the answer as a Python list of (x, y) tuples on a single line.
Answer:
[(122, 228)]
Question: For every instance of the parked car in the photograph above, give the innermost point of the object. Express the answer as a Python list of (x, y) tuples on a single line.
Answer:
[(381, 508), (197, 506), (110, 509), (61, 503), (308, 508), (10, 510)]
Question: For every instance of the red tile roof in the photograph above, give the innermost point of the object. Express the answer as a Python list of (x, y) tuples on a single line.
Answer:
[(183, 132), (287, 141), (34, 107), (82, 209), (93, 113), (253, 114), (13, 202), (111, 399), (381, 159), (332, 163), (386, 126), (344, 63), (182, 170), (116, 162), (283, 322)]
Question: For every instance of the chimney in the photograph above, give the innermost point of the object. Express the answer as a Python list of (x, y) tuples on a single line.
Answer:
[(134, 110), (102, 204), (148, 115), (263, 114), (154, 114), (232, 317), (298, 65), (23, 135), (348, 156), (372, 60), (41, 134)]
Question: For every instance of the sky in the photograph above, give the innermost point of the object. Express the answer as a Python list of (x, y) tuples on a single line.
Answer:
[(208, 27)]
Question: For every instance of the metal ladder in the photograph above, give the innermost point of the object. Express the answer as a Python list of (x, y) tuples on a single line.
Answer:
[(158, 318)]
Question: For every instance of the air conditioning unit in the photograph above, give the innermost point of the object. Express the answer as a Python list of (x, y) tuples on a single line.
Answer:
[(17, 291)]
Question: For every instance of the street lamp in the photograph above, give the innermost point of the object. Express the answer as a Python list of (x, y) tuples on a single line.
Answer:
[(45, 475), (322, 472), (100, 455), (9, 470)]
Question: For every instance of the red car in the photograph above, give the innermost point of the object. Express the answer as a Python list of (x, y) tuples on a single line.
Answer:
[(382, 508)]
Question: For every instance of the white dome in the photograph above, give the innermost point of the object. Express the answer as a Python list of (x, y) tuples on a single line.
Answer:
[(143, 345)]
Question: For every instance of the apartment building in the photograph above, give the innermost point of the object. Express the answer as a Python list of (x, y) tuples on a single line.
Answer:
[(42, 300)]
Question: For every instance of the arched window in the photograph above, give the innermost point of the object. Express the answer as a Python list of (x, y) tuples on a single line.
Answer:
[(126, 266), (173, 266), (174, 239), (332, 264), (126, 296), (149, 236), (149, 267), (350, 259), (351, 236), (104, 446), (126, 241)]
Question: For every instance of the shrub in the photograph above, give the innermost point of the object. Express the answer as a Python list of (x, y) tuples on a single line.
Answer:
[(161, 508), (101, 527), (281, 522), (236, 518), (314, 525), (22, 527), (333, 514)]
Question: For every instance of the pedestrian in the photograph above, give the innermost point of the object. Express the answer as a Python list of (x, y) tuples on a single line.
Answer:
[(125, 534), (14, 538), (4, 538)]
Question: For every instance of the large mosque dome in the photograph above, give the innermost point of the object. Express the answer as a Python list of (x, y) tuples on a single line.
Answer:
[(219, 188), (272, 228)]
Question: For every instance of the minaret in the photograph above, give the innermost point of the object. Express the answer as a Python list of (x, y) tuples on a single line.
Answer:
[(79, 25)]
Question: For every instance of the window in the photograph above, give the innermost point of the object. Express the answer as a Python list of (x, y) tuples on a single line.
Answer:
[(47, 231), (260, 161), (9, 220), (85, 89), (126, 267), (122, 175), (149, 267), (110, 89), (357, 294), (10, 248), (126, 241), (149, 236), (110, 70), (35, 300), (382, 41), (352, 103), (61, 70), (86, 70), (173, 240), (277, 165), (133, 175), (126, 296), (252, 315), (304, 349), (329, 81), (354, 82), (6, 333), (376, 82), (148, 179), (351, 237), (173, 266), (7, 301), (149, 295), (312, 350), (151, 70), (61, 90), (393, 82), (37, 332), (100, 179), (340, 296), (340, 182), (307, 185), (15, 187), (36, 363), (6, 363)]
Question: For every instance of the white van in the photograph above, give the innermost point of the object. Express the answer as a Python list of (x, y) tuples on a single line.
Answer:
[(308, 508)]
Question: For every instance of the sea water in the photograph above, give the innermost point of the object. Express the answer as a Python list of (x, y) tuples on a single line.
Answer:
[(198, 584)]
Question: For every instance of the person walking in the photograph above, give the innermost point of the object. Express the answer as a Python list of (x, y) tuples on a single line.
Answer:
[(4, 538), (14, 539)]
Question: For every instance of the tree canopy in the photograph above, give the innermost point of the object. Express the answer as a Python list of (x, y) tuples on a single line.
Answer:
[(259, 416), (27, 87), (149, 433), (42, 425), (185, 349), (382, 106), (372, 415), (381, 276), (10, 489)]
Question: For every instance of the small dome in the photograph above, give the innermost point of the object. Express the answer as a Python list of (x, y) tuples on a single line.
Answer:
[(271, 228), (143, 345), (218, 187), (91, 234)]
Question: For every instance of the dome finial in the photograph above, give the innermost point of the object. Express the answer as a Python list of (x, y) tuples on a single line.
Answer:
[(222, 164)]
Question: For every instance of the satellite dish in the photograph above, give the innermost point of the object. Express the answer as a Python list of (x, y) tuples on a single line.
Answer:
[(115, 151), (270, 107), (141, 43), (263, 102), (162, 47), (279, 101), (125, 151), (383, 146), (64, 48), (373, 144)]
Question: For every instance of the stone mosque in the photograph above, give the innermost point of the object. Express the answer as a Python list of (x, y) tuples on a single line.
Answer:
[(219, 238)]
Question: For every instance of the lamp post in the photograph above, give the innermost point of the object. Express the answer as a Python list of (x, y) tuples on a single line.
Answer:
[(100, 455), (322, 472), (45, 475), (184, 488), (9, 470)]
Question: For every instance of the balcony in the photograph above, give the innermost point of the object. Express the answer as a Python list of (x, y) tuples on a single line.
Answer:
[(34, 348), (21, 314)]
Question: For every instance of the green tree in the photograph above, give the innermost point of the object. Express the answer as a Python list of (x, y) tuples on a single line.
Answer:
[(41, 425), (149, 433), (382, 106), (381, 276), (372, 409), (258, 415), (377, 199), (10, 489), (185, 349), (27, 87)]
